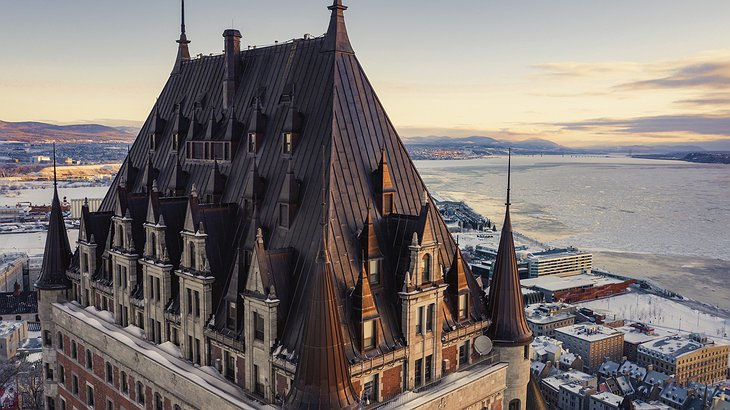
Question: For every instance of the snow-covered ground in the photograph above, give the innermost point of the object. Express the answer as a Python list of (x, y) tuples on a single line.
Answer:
[(662, 313)]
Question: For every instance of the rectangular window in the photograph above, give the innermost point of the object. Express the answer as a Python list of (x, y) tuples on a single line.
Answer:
[(157, 289), (464, 354), (63, 403), (190, 349), (231, 319), (109, 373), (259, 388), (368, 335), (90, 396), (47, 339), (75, 385), (429, 368), (284, 215), (190, 301), (419, 372), (419, 321), (286, 147), (387, 203), (197, 304), (230, 362), (258, 321), (197, 351), (430, 316), (49, 372), (374, 271), (251, 143), (109, 404), (61, 374), (370, 390), (463, 306)]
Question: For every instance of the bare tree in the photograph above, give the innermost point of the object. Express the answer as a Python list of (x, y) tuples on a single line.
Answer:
[(26, 378)]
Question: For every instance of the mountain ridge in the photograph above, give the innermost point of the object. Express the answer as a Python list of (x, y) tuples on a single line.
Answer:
[(35, 132)]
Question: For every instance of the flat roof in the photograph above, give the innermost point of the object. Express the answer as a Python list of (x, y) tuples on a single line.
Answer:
[(590, 333), (635, 336), (608, 398), (670, 347), (8, 327), (556, 283)]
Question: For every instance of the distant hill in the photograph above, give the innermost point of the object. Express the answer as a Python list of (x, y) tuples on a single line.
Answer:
[(44, 132), (487, 144)]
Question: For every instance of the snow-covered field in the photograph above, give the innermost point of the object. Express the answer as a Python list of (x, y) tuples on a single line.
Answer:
[(662, 313)]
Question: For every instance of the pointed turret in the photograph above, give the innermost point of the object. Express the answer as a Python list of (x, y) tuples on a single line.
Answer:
[(178, 181), (216, 184), (456, 278), (384, 187), (183, 54), (322, 379), (506, 306), (179, 128), (336, 37), (156, 129), (368, 239), (57, 254), (150, 174), (363, 303)]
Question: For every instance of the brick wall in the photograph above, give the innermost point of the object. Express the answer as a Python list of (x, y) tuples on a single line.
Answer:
[(391, 382), (281, 385), (449, 354), (241, 371)]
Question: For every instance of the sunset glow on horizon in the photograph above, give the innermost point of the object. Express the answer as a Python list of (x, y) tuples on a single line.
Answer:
[(577, 73)]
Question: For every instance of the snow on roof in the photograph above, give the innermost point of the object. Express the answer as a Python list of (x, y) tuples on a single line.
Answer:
[(590, 333), (556, 283), (635, 336), (669, 348), (608, 398), (632, 370), (8, 327), (129, 337), (549, 312)]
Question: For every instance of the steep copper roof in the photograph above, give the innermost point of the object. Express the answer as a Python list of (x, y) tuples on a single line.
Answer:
[(57, 254), (535, 399), (456, 277), (368, 238), (337, 38), (384, 181), (363, 303), (506, 306), (322, 380)]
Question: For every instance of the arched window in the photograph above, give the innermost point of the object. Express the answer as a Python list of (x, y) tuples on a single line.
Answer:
[(74, 352), (60, 341), (89, 361), (515, 405), (109, 373), (153, 245), (158, 402), (426, 268), (17, 317), (192, 255), (123, 382), (140, 393)]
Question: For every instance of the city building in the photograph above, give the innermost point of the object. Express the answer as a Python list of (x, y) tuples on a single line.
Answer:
[(593, 343), (77, 206), (574, 396), (12, 334), (605, 401), (546, 349), (576, 288), (688, 359), (544, 318), (19, 305), (559, 262), (268, 243), (550, 386), (636, 334)]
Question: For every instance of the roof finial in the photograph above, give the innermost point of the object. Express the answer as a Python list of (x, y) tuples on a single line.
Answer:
[(54, 164), (183, 53), (182, 14), (509, 174), (336, 38)]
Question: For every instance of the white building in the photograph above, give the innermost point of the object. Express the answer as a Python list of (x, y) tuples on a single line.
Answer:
[(559, 261)]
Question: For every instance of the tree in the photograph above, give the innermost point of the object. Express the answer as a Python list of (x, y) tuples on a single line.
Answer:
[(26, 378)]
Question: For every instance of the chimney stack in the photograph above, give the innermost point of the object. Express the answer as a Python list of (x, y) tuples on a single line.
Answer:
[(232, 49)]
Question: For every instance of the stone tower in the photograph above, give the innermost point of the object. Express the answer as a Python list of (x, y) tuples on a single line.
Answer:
[(53, 284), (509, 330)]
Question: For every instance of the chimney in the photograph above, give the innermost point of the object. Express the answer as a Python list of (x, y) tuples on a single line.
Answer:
[(232, 49)]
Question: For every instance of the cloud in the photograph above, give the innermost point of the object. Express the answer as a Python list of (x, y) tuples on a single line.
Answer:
[(704, 75), (572, 70), (660, 124)]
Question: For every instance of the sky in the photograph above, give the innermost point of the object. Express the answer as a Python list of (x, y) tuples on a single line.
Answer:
[(577, 72)]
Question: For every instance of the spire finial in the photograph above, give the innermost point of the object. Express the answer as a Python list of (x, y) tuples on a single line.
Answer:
[(182, 14), (509, 174), (54, 164), (336, 38)]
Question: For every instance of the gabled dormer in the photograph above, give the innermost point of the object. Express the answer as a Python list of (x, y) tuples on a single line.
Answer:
[(179, 129), (288, 198), (256, 128), (254, 190), (458, 288), (155, 247), (216, 185), (178, 180), (370, 248), (365, 313), (156, 129), (292, 129), (150, 174), (384, 188)]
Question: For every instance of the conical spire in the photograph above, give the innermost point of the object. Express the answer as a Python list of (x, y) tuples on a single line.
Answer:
[(322, 379), (57, 254), (506, 306), (183, 54), (336, 38)]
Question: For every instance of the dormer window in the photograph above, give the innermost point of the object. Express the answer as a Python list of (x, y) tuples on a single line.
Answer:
[(287, 143), (251, 143), (231, 319), (463, 306), (153, 142), (369, 335), (387, 203), (426, 268), (175, 141), (374, 271), (284, 215)]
